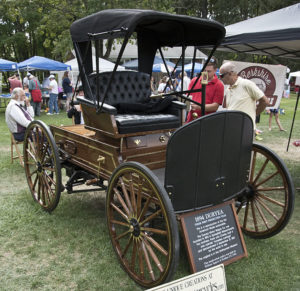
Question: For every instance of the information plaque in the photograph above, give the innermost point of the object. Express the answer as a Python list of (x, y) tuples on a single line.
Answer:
[(213, 236)]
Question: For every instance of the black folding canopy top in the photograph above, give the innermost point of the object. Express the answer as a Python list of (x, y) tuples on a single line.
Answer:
[(154, 30), (167, 29)]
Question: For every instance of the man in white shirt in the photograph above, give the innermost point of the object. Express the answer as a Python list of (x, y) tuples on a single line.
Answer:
[(53, 87), (26, 80), (242, 94), (17, 116), (186, 82)]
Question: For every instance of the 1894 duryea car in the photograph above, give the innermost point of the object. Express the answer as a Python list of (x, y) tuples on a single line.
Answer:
[(152, 166)]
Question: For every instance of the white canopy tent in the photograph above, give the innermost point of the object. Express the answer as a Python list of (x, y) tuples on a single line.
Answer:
[(276, 33), (104, 66), (294, 74)]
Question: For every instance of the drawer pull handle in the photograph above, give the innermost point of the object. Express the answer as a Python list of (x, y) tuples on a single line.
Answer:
[(137, 141), (162, 139)]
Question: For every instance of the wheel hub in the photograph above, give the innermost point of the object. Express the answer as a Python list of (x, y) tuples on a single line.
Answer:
[(250, 191), (135, 227), (39, 167)]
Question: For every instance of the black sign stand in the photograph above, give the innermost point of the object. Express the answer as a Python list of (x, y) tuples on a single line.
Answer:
[(213, 236)]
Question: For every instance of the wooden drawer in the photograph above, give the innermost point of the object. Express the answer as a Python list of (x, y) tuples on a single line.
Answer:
[(151, 140)]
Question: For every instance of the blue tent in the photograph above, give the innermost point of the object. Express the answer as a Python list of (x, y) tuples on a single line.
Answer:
[(133, 65), (6, 65), (188, 68), (42, 63)]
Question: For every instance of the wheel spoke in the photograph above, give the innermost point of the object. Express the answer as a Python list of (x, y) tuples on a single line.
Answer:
[(246, 215), (48, 189), (239, 208), (32, 173), (271, 200), (254, 215), (41, 195), (121, 201), (279, 188), (139, 198), (256, 203), (145, 208), (153, 256), (141, 263), (133, 255), (119, 211), (147, 259), (267, 209), (151, 217), (253, 163), (126, 195), (31, 155), (127, 247), (33, 144), (132, 194), (260, 171), (267, 179), (154, 230), (50, 179), (157, 245), (123, 234), (119, 223)]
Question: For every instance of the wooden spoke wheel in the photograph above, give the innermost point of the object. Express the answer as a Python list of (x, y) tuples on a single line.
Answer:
[(42, 165), (268, 202), (142, 225)]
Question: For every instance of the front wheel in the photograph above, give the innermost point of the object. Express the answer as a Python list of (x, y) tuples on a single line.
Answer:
[(142, 225), (267, 205), (42, 165)]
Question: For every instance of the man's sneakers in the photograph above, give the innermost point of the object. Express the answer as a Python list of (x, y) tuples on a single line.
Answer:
[(257, 137), (49, 113)]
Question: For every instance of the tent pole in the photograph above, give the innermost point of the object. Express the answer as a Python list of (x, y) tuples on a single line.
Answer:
[(296, 106)]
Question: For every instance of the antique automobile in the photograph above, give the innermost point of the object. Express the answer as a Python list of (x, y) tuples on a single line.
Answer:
[(153, 166)]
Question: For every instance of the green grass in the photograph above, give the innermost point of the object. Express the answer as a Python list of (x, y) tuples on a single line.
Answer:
[(70, 249)]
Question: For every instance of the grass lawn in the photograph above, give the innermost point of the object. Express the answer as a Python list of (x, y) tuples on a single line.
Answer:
[(70, 249)]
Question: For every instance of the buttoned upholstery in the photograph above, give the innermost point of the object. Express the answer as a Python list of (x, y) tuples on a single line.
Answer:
[(126, 87), (133, 87)]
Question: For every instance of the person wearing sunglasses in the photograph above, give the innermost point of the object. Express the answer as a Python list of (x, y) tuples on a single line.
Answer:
[(242, 94), (214, 92)]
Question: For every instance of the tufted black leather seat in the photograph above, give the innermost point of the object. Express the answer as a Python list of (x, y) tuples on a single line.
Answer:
[(126, 87), (133, 87)]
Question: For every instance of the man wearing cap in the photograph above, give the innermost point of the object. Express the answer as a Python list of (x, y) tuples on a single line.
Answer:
[(53, 87), (214, 92), (18, 114), (242, 94)]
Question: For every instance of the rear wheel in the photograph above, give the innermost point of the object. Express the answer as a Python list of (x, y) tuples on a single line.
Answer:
[(42, 165), (142, 225), (268, 203)]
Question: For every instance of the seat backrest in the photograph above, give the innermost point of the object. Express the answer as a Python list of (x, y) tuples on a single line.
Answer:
[(126, 87), (208, 160)]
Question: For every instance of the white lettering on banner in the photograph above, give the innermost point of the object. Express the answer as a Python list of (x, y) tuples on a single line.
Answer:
[(257, 72)]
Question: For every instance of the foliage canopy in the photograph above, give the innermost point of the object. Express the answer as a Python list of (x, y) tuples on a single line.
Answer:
[(41, 27)]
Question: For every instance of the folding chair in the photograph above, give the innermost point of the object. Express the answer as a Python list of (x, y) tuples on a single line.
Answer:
[(14, 144)]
